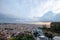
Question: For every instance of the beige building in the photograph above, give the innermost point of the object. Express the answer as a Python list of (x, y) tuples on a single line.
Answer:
[(42, 24)]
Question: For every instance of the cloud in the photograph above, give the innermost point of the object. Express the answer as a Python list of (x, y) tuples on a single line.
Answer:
[(19, 8)]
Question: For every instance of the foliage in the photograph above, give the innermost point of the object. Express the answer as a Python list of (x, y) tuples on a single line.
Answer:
[(22, 37), (56, 28)]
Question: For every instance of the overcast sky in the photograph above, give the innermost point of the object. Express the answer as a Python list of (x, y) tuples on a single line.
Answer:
[(28, 8)]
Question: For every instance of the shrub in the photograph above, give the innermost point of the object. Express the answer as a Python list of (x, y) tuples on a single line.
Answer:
[(22, 37)]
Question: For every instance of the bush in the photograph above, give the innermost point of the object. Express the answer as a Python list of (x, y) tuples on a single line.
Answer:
[(56, 29), (22, 37), (12, 38)]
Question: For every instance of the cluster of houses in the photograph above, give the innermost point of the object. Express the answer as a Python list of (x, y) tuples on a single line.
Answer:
[(14, 27)]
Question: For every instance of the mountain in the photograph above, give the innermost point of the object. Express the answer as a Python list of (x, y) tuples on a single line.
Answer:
[(47, 17), (57, 17), (50, 17), (6, 18)]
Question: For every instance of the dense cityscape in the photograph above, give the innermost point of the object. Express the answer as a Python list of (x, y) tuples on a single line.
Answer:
[(14, 31)]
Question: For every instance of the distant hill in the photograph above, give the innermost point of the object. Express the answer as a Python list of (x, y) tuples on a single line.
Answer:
[(57, 17), (50, 17), (47, 17), (6, 18)]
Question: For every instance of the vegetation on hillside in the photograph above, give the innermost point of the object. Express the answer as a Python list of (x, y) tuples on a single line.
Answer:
[(22, 37)]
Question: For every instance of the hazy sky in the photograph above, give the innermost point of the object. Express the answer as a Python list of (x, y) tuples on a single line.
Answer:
[(28, 8)]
